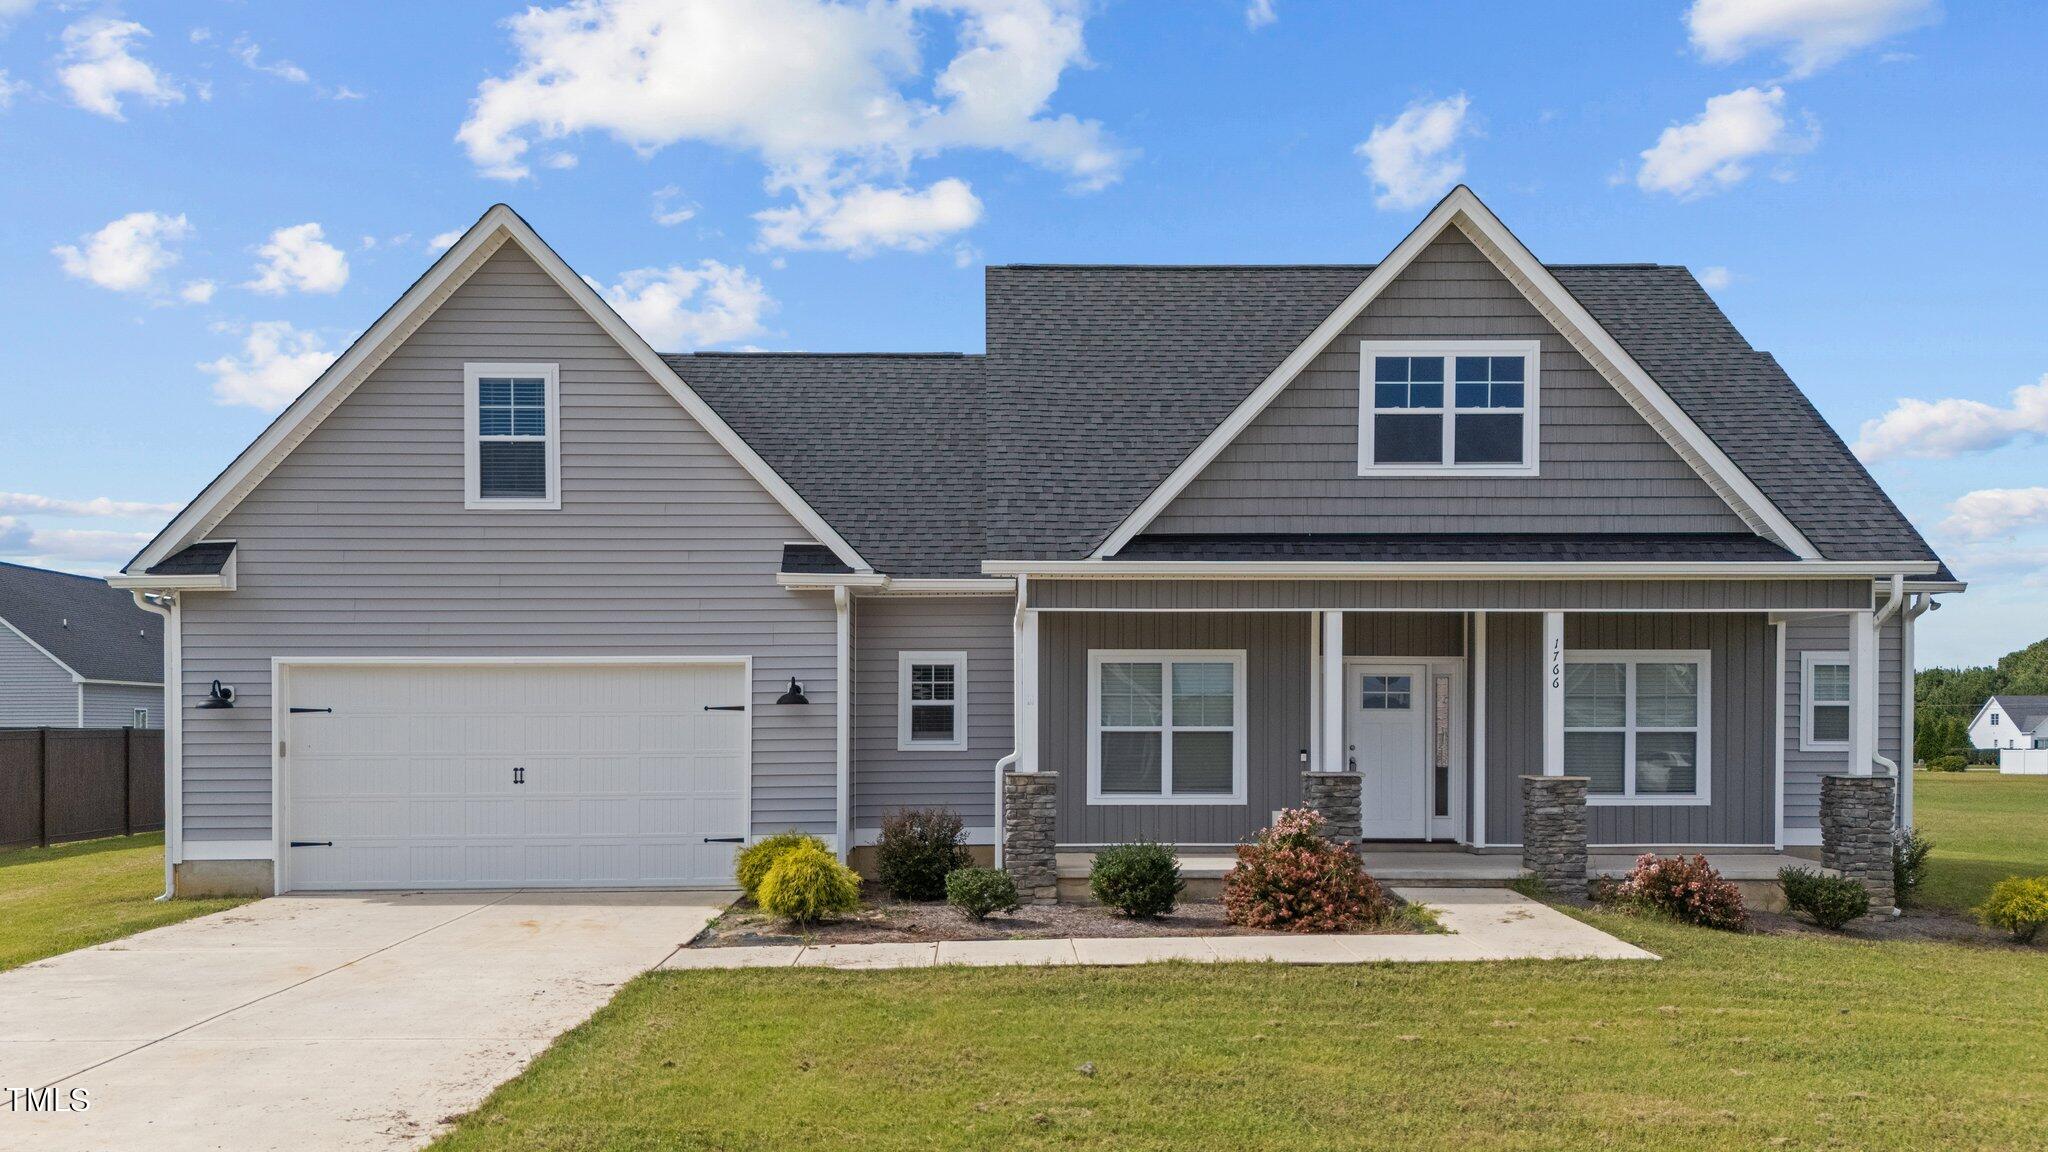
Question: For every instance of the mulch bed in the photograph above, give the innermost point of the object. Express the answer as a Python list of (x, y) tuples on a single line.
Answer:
[(882, 920), (1915, 924)]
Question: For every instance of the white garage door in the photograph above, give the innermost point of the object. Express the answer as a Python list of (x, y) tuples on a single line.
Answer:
[(478, 776)]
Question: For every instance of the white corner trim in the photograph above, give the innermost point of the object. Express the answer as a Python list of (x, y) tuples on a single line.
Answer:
[(455, 266), (1463, 209), (958, 662)]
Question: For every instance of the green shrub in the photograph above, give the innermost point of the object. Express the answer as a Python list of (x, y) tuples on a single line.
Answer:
[(1140, 880), (980, 891), (1952, 762), (1909, 863), (1292, 877), (1684, 888), (1830, 901), (751, 866), (807, 885), (919, 847), (2019, 905)]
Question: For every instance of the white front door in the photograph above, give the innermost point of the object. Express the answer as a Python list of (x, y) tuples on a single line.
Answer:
[(1387, 742), (514, 775)]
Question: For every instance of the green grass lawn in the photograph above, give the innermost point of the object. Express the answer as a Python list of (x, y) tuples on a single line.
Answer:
[(76, 895), (1731, 1042), (1985, 827)]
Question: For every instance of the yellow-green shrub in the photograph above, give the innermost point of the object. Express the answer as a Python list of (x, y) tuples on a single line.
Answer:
[(2019, 905), (751, 866), (807, 885)]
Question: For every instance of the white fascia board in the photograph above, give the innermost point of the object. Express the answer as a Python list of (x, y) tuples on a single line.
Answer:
[(826, 581), (399, 321), (1463, 570), (47, 654), (220, 582), (1463, 209), (981, 586)]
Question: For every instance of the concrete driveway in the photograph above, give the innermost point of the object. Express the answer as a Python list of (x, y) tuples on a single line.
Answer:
[(318, 1022)]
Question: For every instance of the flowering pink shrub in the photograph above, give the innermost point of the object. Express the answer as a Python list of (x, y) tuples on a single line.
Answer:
[(1685, 888), (1293, 878)]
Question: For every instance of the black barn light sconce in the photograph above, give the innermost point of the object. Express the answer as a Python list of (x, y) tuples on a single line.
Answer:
[(222, 696), (795, 695)]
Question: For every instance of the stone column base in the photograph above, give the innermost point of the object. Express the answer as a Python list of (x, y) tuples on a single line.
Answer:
[(1856, 833), (1336, 796), (1030, 813), (1554, 832)]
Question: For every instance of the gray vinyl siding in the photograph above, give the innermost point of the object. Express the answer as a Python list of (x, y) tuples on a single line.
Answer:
[(1294, 469), (114, 705), (1451, 595), (358, 545), (35, 691), (1743, 784), (1276, 681), (1803, 770), (884, 778)]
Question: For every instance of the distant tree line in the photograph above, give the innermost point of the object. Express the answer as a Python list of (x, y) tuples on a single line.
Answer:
[(1945, 700)]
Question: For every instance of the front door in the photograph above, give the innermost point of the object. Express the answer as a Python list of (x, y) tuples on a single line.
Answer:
[(1388, 746)]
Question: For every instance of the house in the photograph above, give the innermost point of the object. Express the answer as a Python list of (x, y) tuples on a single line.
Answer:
[(75, 653), (508, 598), (2011, 722)]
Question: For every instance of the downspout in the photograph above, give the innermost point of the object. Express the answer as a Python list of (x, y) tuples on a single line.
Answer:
[(1003, 765), (842, 715), (174, 731), (1891, 608), (1907, 703)]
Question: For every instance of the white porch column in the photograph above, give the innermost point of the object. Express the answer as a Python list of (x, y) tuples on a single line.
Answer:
[(1333, 693), (1553, 693), (1862, 692), (1479, 776)]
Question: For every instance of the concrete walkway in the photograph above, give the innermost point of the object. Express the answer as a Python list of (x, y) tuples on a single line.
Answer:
[(319, 1022), (1484, 924)]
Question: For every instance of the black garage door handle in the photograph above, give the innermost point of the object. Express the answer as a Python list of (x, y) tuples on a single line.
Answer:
[(724, 839)]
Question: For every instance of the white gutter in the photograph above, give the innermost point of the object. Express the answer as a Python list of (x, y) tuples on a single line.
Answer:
[(876, 581), (174, 730), (1461, 569)]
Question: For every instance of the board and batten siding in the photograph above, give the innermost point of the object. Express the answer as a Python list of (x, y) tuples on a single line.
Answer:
[(1803, 770), (35, 691), (114, 705), (885, 778), (1742, 786), (358, 545), (1294, 469), (1450, 595)]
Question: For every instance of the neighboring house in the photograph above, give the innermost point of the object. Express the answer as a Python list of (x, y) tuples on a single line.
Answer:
[(75, 653), (510, 599), (2011, 722)]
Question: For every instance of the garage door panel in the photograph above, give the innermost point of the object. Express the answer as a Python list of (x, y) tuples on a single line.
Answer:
[(412, 775)]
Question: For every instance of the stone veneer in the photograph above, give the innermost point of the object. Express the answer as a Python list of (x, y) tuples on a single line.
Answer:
[(1554, 832), (1336, 796), (1030, 810), (1856, 833)]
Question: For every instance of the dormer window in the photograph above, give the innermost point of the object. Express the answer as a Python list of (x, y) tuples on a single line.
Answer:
[(512, 439), (1465, 408)]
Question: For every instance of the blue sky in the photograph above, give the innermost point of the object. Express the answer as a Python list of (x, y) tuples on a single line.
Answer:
[(207, 200)]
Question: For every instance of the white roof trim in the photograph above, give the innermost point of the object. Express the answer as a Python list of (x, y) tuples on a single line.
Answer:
[(49, 655), (398, 322), (1464, 211), (1460, 569)]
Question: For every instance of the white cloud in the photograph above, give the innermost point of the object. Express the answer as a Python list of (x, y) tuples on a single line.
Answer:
[(824, 93), (670, 209), (298, 257), (1259, 13), (863, 219), (444, 240), (1715, 149), (127, 254), (1940, 429), (1714, 277), (196, 291), (9, 89), (561, 161), (27, 503), (1411, 159), (250, 54), (98, 68), (1992, 512), (72, 545), (1810, 34), (277, 362), (678, 309)]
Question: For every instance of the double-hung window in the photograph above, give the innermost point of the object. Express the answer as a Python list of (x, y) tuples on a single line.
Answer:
[(1636, 725), (931, 709), (1166, 727), (1824, 703), (1465, 408), (513, 445)]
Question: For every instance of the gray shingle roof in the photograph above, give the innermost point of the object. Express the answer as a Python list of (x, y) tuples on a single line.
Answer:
[(2028, 712), (96, 630), (206, 558)]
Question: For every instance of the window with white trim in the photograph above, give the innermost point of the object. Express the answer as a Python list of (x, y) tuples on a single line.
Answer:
[(141, 718), (1824, 701), (513, 447), (1166, 727), (1635, 725), (1466, 407), (931, 710)]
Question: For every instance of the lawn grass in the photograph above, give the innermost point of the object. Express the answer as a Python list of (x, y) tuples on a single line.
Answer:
[(1731, 1042), (1985, 827), (76, 895)]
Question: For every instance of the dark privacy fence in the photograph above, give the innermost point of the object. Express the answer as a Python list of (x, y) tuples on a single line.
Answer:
[(59, 784)]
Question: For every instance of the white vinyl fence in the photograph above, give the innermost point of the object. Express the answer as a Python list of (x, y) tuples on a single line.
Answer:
[(2023, 761)]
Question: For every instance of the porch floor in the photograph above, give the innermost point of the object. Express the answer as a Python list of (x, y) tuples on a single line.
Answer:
[(1425, 867)]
